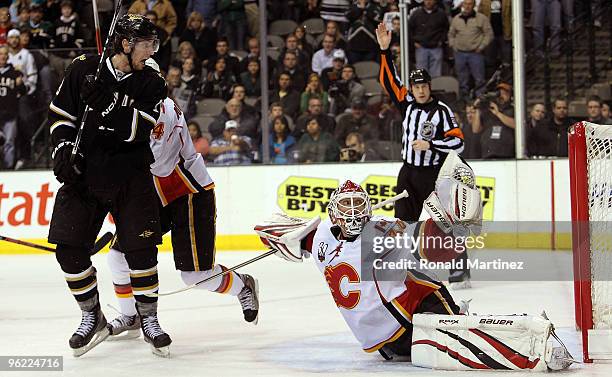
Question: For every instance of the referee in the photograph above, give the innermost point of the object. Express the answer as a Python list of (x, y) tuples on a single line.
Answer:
[(430, 132)]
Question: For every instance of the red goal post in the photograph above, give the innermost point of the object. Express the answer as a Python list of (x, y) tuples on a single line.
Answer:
[(590, 160)]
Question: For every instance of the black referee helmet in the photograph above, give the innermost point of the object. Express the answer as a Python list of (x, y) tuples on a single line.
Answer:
[(419, 76)]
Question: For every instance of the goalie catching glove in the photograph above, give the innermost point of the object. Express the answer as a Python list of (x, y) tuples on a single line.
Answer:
[(284, 234), (455, 204)]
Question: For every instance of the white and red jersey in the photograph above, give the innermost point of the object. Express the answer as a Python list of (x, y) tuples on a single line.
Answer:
[(373, 309), (178, 169)]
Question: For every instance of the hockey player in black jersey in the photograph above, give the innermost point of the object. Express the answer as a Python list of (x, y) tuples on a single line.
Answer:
[(109, 174)]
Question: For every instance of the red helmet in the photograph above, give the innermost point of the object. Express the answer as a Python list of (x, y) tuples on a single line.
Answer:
[(350, 208)]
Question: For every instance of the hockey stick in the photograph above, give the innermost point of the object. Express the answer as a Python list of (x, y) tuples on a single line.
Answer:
[(94, 4), (79, 136), (99, 245), (401, 195)]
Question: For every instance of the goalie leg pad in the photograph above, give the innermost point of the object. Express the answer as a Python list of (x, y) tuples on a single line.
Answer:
[(513, 342)]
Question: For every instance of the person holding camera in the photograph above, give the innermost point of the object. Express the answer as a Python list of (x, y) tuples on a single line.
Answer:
[(231, 149), (332, 74), (494, 121), (345, 91)]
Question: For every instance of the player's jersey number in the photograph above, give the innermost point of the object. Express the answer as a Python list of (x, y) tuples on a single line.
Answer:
[(334, 276)]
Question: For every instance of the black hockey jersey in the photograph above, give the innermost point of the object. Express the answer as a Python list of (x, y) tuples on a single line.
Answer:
[(108, 157), (67, 35), (10, 91)]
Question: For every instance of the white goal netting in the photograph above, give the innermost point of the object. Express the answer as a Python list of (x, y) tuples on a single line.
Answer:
[(599, 172)]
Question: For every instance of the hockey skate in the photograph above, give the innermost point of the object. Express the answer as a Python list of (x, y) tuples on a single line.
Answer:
[(249, 298), (124, 327), (91, 332), (151, 330), (460, 280)]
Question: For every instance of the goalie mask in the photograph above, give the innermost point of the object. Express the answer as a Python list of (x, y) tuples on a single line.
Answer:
[(349, 208)]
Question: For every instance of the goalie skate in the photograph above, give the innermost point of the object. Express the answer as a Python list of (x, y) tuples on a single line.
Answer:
[(91, 332), (249, 298), (124, 327)]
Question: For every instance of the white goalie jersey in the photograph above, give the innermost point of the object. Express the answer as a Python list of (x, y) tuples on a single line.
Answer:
[(178, 169), (365, 302)]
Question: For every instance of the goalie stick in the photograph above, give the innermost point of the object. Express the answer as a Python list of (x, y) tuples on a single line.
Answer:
[(99, 245), (77, 141), (395, 198)]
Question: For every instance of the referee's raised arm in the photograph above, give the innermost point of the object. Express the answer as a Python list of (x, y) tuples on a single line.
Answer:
[(388, 75)]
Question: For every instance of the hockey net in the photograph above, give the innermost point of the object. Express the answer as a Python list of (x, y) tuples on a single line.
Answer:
[(590, 152)]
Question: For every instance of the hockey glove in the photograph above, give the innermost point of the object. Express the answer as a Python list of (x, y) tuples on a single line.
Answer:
[(64, 171), (284, 234), (98, 96)]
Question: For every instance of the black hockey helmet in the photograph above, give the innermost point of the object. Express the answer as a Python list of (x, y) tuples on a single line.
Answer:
[(133, 27), (419, 76)]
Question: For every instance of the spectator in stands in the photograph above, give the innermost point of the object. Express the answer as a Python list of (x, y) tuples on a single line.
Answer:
[(251, 9), (296, 73), (356, 121), (219, 81), (201, 37), (494, 121), (470, 33), (332, 28), (594, 111), (247, 125), (208, 10), (239, 92), (549, 138), (315, 109), (5, 25), (471, 140), (428, 27), (302, 43), (276, 110), (335, 10), (40, 30), (536, 115), (185, 51), (282, 143), (543, 11), (311, 10), (345, 91), (23, 18), (358, 151), (389, 119), (163, 56), (67, 35), (166, 15), (291, 45), (233, 22), (51, 9), (605, 111), (22, 60), (253, 45), (251, 79), (184, 96), (334, 73), (396, 29), (11, 88), (499, 13), (190, 77), (317, 145), (222, 50), (288, 97), (324, 57), (364, 16), (200, 143), (230, 148), (314, 89)]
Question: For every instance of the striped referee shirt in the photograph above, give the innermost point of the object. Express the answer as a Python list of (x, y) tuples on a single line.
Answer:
[(433, 121)]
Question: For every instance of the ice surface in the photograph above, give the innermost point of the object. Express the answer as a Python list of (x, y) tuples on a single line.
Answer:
[(300, 331)]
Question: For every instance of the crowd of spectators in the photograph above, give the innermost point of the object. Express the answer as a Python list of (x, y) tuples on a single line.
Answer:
[(320, 109)]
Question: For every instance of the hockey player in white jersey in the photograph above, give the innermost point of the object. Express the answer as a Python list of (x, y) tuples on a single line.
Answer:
[(382, 291), (187, 200)]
